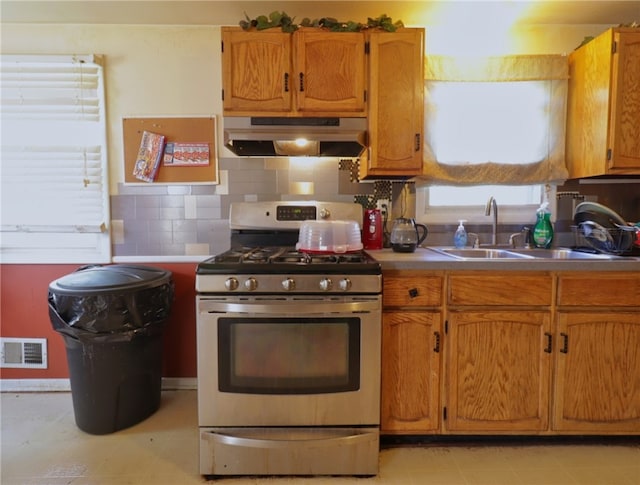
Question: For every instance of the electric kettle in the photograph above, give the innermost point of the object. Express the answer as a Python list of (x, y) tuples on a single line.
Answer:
[(406, 235)]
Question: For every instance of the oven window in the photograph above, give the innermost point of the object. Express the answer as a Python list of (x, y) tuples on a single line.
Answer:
[(288, 355)]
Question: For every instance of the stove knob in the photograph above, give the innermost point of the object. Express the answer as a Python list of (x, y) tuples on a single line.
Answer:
[(326, 284), (231, 284), (251, 284), (289, 284), (325, 213), (345, 284)]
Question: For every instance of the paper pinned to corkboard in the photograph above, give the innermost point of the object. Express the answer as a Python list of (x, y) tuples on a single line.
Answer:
[(193, 130)]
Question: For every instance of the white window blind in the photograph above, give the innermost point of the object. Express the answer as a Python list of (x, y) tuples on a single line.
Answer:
[(54, 187)]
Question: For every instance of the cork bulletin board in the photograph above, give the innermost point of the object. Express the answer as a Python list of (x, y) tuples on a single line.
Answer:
[(196, 130)]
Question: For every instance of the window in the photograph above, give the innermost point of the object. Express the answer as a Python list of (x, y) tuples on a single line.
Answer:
[(55, 198), (444, 204), (494, 127)]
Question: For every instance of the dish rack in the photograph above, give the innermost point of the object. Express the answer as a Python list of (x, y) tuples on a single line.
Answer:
[(606, 240)]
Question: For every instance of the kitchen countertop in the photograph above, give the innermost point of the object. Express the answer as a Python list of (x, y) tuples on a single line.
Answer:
[(426, 259)]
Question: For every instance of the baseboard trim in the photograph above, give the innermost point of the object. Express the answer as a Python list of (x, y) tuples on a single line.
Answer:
[(63, 385)]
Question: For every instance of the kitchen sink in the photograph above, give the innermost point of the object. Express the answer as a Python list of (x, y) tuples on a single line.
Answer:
[(562, 254), (495, 253), (481, 253)]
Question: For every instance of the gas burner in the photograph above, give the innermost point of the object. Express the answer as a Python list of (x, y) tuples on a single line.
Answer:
[(287, 260), (276, 255)]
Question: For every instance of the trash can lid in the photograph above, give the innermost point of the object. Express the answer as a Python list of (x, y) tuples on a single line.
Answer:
[(109, 279)]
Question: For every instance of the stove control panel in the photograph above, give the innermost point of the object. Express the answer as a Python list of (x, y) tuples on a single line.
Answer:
[(276, 215), (295, 213), (278, 283)]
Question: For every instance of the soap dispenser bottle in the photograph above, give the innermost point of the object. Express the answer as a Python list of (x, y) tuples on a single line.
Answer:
[(543, 230), (460, 236)]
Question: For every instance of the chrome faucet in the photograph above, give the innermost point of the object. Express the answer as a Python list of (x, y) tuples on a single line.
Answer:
[(492, 203)]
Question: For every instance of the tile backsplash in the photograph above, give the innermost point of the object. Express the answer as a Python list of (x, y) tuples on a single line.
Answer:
[(192, 220)]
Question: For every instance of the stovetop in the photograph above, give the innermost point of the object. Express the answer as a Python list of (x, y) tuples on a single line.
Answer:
[(287, 260)]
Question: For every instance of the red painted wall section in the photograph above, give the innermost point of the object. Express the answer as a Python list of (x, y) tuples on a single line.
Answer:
[(24, 312)]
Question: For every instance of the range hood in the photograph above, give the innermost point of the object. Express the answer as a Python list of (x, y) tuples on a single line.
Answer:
[(282, 137)]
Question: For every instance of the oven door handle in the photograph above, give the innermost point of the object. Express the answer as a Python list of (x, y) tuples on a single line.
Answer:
[(290, 307)]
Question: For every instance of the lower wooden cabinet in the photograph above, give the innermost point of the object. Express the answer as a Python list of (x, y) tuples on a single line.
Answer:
[(411, 352), (597, 358), (411, 349), (498, 371), (597, 375), (477, 353)]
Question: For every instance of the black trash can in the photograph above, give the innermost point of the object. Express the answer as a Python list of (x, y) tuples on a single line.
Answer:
[(111, 319)]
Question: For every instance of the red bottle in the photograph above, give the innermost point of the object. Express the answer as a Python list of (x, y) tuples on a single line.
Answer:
[(372, 229)]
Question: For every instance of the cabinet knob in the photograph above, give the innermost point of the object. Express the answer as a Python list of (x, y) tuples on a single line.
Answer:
[(413, 292)]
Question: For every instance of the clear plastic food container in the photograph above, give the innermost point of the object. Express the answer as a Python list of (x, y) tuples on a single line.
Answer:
[(329, 237)]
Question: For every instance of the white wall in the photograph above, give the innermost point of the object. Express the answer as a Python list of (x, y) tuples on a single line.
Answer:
[(150, 70)]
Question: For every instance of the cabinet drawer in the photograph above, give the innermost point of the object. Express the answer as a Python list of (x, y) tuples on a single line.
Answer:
[(508, 289), (599, 289), (412, 289)]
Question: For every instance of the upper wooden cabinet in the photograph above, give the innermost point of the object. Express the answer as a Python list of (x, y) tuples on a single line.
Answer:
[(308, 73), (603, 111), (396, 104), (330, 72)]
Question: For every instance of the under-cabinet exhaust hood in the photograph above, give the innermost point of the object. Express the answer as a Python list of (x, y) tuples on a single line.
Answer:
[(284, 137)]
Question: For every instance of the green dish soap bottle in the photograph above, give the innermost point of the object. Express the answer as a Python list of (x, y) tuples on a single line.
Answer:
[(543, 230)]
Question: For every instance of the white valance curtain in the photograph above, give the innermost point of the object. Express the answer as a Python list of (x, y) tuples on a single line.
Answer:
[(495, 120)]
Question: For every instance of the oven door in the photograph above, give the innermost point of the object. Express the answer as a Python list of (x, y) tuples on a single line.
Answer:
[(289, 361)]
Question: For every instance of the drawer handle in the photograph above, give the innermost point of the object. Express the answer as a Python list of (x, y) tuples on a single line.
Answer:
[(565, 343), (413, 292), (436, 336), (301, 82), (286, 82), (547, 349)]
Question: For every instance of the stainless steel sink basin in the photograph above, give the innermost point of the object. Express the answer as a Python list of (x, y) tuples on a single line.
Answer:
[(481, 253), (496, 253), (561, 254)]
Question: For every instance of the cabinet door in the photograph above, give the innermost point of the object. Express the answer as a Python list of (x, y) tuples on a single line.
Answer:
[(396, 104), (597, 381), (625, 104), (498, 366), (256, 70), (410, 372), (588, 114), (329, 73)]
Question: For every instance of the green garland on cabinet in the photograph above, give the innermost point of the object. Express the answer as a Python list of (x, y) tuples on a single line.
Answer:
[(287, 24)]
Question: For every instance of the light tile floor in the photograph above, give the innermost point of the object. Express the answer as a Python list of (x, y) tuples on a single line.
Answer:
[(40, 444)]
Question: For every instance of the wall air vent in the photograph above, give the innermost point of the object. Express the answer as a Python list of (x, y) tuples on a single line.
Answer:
[(23, 353)]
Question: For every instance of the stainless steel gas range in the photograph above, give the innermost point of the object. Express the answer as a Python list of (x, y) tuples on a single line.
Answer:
[(288, 350)]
